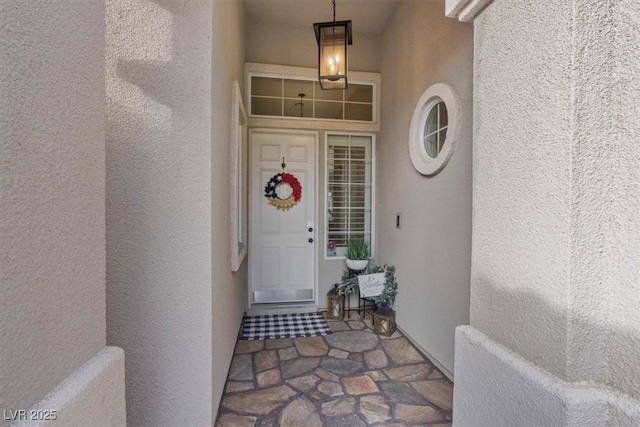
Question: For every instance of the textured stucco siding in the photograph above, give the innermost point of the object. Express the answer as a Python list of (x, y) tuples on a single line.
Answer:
[(488, 373), (524, 393), (92, 396), (52, 157), (623, 338), (158, 204), (229, 296), (432, 251), (522, 178), (556, 252)]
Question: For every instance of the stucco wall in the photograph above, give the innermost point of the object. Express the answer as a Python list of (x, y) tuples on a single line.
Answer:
[(159, 207), (296, 46), (522, 178), (432, 250), (52, 235), (620, 199), (92, 396), (569, 266), (556, 258), (228, 298)]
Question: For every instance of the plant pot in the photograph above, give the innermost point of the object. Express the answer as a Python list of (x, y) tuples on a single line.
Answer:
[(357, 264)]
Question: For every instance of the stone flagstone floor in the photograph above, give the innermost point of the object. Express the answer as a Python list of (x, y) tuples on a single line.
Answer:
[(352, 377)]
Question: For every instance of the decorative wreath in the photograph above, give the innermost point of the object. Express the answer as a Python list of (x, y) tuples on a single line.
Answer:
[(277, 180)]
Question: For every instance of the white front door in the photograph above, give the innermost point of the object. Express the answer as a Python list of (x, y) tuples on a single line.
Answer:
[(282, 238)]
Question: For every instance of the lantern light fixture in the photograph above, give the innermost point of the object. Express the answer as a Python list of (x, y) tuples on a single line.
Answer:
[(333, 38), (384, 321), (335, 304)]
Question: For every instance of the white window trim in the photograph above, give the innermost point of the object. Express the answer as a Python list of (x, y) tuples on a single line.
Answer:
[(326, 190), (422, 162), (302, 73), (239, 179)]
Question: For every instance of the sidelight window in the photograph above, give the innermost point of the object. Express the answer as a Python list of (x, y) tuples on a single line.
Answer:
[(349, 191)]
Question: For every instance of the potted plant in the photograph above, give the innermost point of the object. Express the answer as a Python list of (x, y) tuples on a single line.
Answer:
[(357, 256)]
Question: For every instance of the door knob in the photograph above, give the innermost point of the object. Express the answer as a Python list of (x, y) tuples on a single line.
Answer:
[(310, 240)]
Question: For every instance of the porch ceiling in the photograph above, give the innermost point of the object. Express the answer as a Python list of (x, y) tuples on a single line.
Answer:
[(368, 16)]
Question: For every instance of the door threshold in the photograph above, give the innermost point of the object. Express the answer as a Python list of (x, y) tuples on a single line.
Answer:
[(281, 308)]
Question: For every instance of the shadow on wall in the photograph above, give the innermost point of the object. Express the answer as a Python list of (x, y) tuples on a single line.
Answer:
[(158, 206), (585, 345)]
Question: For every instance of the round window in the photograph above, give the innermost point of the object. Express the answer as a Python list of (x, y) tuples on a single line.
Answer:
[(432, 136), (435, 130)]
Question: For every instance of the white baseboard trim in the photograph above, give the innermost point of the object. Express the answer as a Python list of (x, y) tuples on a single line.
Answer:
[(269, 309)]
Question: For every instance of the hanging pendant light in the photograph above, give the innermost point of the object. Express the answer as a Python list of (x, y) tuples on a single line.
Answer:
[(333, 39)]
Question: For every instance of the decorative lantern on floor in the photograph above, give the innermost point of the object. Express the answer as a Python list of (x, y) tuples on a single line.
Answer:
[(335, 304), (384, 321), (333, 39)]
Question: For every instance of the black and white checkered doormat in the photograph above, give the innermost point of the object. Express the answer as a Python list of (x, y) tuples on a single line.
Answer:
[(284, 326)]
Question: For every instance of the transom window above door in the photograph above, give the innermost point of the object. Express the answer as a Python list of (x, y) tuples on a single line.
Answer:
[(282, 97), (291, 97)]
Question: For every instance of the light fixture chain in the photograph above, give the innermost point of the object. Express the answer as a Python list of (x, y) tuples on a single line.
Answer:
[(334, 10)]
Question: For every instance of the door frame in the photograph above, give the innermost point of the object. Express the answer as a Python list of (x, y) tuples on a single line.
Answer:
[(316, 238)]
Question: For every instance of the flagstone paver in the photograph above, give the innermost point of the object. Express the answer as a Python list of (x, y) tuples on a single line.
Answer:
[(400, 392), (340, 406), (377, 375), (360, 385), (317, 395), (249, 346), (346, 421), (235, 386), (241, 368), (265, 360), (311, 346), (268, 378), (229, 419), (258, 402), (300, 412), (375, 408), (330, 388), (410, 373), (269, 421), (352, 340), (357, 325), (338, 354), (418, 413), (357, 357), (288, 353), (302, 365), (351, 377), (304, 383), (438, 392), (329, 376), (339, 326), (375, 359), (341, 366), (279, 343), (401, 351)]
